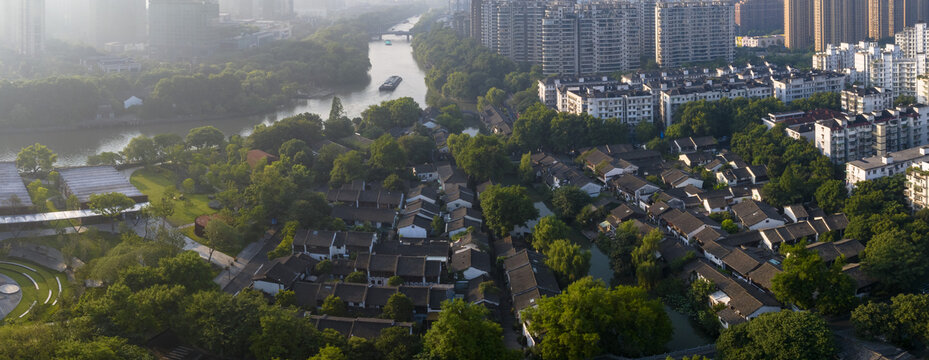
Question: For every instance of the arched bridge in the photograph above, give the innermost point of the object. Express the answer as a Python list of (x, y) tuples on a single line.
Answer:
[(405, 33)]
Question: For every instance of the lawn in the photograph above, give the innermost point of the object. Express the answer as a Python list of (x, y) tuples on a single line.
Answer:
[(85, 246), (153, 182), (48, 292)]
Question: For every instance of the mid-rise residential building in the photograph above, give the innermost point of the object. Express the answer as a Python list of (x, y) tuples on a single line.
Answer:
[(759, 16), (549, 87), (803, 85), (182, 28), (630, 106), (22, 26), (876, 167), (673, 98), (688, 31), (592, 37), (513, 28), (917, 185), (857, 100), (856, 136), (798, 23), (759, 41), (913, 40)]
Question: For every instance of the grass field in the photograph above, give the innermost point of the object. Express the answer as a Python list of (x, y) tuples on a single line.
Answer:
[(48, 291), (153, 182)]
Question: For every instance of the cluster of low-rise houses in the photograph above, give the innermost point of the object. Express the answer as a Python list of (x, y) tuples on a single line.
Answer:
[(656, 95), (432, 264)]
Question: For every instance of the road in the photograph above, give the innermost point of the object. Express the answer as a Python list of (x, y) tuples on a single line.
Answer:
[(257, 260)]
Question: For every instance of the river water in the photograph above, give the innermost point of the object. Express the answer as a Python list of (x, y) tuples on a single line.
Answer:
[(74, 146)]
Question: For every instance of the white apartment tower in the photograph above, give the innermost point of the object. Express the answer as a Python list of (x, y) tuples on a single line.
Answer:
[(913, 41), (513, 28), (22, 26), (688, 31), (592, 37)]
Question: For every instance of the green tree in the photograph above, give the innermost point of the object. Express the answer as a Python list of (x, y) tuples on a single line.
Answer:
[(418, 148), (463, 332), (396, 343), (387, 154), (645, 131), (547, 231), (219, 235), (781, 335), (808, 282), (346, 168), (904, 100), (333, 305), (506, 207), (284, 334), (36, 159), (438, 225), (338, 125), (531, 130), (358, 277), (329, 352), (525, 172), (482, 157), (399, 307), (569, 200), (205, 137), (590, 319), (110, 205), (393, 183), (105, 158), (729, 226), (38, 194), (568, 260), (646, 264), (306, 127), (395, 281), (142, 150), (102, 347), (897, 259), (221, 323), (831, 195)]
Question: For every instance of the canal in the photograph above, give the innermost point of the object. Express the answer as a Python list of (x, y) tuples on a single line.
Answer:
[(74, 146)]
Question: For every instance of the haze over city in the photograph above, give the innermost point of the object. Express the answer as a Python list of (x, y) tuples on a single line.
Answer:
[(464, 179)]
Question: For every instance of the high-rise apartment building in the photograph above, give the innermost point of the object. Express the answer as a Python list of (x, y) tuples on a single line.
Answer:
[(759, 17), (592, 37), (688, 31), (118, 21), (798, 23), (258, 9), (182, 28), (836, 21), (513, 28), (648, 28), (22, 26), (915, 11), (475, 21), (882, 16)]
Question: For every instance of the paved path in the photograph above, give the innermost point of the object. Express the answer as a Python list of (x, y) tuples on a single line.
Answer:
[(257, 257), (8, 302)]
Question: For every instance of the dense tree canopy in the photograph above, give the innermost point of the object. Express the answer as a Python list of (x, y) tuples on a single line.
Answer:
[(808, 282), (463, 332), (506, 207), (482, 157), (36, 159), (589, 319), (781, 335)]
